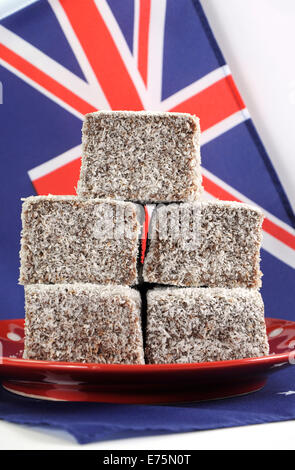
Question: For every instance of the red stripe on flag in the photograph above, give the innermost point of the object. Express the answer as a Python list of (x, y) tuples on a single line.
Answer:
[(217, 191), (45, 81), (279, 233), (102, 54), (235, 92), (61, 181), (145, 234), (143, 36), (215, 103), (268, 226)]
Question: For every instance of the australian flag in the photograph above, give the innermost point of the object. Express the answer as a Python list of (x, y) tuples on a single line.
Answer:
[(60, 59)]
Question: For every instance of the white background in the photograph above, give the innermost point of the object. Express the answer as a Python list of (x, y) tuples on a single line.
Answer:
[(257, 38)]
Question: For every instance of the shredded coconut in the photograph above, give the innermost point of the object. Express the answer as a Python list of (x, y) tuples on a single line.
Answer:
[(141, 156), (83, 323), (62, 241), (203, 325), (225, 248)]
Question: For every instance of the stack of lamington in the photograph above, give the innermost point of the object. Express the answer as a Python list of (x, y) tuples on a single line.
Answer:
[(79, 254)]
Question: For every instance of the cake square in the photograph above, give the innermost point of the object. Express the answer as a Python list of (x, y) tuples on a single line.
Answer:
[(83, 323), (140, 156), (213, 244), (67, 239), (204, 325)]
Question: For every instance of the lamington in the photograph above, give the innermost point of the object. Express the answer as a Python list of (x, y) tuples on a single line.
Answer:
[(187, 325), (83, 323), (140, 156), (67, 239), (208, 243)]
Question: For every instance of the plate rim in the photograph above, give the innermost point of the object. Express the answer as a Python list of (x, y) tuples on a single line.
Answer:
[(55, 366)]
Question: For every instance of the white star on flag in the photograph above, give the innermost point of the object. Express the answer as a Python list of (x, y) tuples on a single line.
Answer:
[(290, 392)]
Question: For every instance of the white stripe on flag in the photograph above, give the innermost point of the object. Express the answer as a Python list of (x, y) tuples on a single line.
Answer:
[(195, 88), (243, 198), (271, 244), (99, 99), (224, 126), (123, 49), (136, 30), (48, 66), (278, 249), (55, 163), (155, 53), (42, 90)]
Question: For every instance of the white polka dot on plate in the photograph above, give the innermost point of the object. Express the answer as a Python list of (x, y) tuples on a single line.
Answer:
[(275, 332), (13, 336)]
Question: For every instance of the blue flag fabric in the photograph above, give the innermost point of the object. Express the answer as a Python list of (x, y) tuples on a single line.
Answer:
[(55, 67), (60, 59), (90, 422)]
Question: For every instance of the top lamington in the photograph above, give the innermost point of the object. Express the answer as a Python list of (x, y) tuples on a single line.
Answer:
[(140, 156)]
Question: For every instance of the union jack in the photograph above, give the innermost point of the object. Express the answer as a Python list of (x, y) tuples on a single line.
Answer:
[(155, 55)]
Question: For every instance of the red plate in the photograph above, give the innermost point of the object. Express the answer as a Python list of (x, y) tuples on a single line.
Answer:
[(165, 383)]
